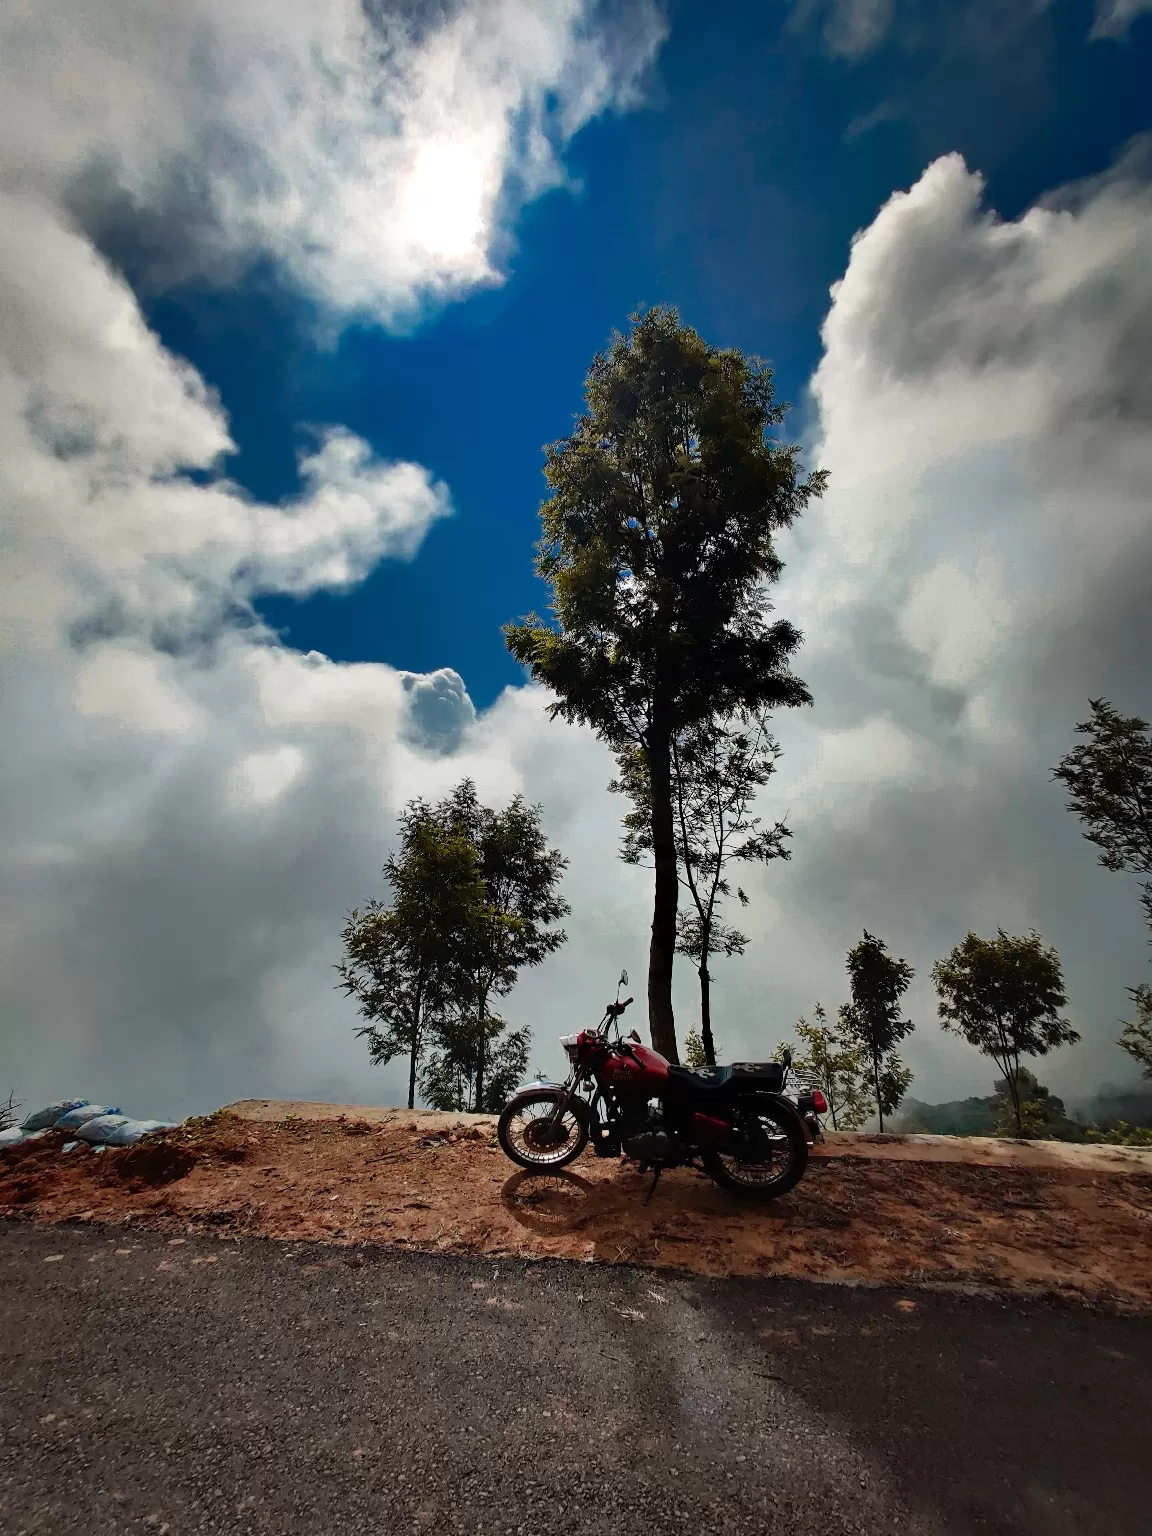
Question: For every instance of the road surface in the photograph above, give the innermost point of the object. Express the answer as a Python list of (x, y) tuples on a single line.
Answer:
[(208, 1385)]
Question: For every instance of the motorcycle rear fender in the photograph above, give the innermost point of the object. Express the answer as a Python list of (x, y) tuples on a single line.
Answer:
[(782, 1106)]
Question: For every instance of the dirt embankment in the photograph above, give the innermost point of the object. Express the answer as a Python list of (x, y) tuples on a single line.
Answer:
[(442, 1183)]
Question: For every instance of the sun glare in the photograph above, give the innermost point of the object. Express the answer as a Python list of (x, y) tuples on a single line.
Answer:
[(444, 201)]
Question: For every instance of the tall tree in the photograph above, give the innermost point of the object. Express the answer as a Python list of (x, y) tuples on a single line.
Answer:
[(1003, 996), (717, 769), (658, 545), (400, 960), (872, 1018), (1110, 779), (837, 1066), (519, 874)]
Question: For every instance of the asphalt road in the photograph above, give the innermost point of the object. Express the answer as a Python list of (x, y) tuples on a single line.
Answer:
[(256, 1387)]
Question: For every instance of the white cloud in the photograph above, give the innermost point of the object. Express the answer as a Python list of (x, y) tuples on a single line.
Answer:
[(374, 154), (978, 569), (185, 826), (188, 808), (1114, 17)]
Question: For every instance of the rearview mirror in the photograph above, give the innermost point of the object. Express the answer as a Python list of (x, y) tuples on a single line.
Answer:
[(786, 1059), (623, 978), (634, 1036)]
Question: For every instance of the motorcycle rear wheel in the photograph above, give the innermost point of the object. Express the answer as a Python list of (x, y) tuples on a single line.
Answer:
[(763, 1181), (530, 1144)]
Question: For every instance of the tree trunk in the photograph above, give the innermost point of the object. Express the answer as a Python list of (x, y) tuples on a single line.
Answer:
[(706, 1039), (482, 1014), (661, 954), (706, 1016), (415, 1053), (876, 1080), (1014, 1089)]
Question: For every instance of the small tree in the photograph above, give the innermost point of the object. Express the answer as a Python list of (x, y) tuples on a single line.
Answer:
[(519, 874), (1003, 996), (658, 545), (717, 769), (471, 1068), (694, 1053), (872, 1019), (838, 1067), (401, 961)]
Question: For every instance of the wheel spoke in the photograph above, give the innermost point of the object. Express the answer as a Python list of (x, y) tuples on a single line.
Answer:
[(538, 1141)]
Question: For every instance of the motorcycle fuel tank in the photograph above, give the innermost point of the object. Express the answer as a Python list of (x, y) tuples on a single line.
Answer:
[(642, 1070)]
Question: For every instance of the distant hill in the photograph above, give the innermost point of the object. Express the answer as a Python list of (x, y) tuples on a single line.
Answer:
[(959, 1117), (978, 1117)]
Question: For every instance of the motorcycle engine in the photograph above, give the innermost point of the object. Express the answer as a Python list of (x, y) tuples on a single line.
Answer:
[(646, 1138)]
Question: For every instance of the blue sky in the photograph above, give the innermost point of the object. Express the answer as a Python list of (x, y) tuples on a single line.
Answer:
[(733, 192), (276, 289)]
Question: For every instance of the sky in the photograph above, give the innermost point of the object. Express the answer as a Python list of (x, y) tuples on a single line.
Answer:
[(290, 304)]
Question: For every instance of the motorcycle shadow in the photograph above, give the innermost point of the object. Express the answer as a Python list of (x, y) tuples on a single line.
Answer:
[(551, 1203), (556, 1202)]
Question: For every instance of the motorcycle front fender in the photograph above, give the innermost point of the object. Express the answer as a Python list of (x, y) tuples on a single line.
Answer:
[(574, 1101)]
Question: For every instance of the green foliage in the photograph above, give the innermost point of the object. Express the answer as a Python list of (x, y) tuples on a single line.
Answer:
[(825, 1059), (1041, 1114), (474, 901), (717, 769), (470, 1068), (401, 961), (1136, 1036), (695, 1056), (658, 546), (959, 1117), (872, 1019), (1003, 996), (519, 874), (1120, 1135), (1110, 780)]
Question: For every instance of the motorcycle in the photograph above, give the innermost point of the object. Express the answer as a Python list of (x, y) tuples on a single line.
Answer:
[(733, 1122)]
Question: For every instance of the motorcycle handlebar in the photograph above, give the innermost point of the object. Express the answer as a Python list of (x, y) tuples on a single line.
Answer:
[(616, 1009)]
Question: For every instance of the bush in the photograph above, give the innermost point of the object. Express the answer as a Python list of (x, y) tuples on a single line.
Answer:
[(1120, 1135)]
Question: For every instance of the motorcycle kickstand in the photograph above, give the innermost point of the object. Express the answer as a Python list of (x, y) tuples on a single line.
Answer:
[(652, 1186)]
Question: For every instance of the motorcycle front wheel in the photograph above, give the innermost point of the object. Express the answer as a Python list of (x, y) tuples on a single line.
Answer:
[(785, 1166), (534, 1135)]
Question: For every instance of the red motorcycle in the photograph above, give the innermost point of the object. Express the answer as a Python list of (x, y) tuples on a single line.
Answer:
[(732, 1122)]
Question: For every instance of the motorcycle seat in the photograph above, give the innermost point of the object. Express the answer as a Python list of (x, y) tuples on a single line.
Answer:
[(770, 1074), (697, 1084)]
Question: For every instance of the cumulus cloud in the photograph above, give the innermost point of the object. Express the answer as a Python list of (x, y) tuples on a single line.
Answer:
[(375, 151), (439, 709), (979, 568), (187, 807)]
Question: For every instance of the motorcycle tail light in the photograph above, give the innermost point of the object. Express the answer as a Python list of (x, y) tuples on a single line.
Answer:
[(819, 1102)]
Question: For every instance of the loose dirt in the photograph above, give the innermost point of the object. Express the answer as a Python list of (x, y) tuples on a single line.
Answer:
[(868, 1210)]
